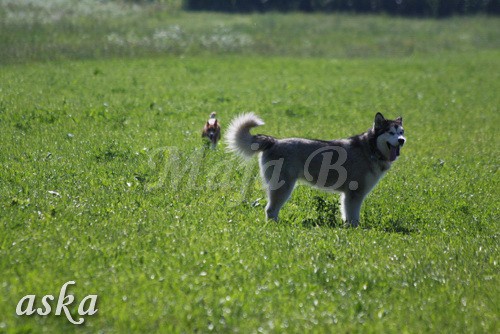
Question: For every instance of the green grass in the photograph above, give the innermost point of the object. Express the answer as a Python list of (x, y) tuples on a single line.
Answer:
[(104, 181), (50, 30)]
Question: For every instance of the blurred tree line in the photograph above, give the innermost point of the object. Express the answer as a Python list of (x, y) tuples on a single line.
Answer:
[(434, 8)]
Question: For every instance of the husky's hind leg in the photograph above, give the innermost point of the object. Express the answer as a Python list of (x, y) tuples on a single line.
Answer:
[(351, 207), (277, 197), (279, 184)]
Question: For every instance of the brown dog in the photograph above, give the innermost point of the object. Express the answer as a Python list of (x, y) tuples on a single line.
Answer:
[(211, 131)]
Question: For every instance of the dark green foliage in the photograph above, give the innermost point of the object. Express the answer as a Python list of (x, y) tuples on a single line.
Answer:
[(435, 8)]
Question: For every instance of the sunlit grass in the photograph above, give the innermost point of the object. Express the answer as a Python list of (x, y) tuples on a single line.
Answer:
[(104, 182), (104, 179)]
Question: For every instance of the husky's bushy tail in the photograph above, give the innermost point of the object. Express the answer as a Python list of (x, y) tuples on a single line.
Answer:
[(241, 141)]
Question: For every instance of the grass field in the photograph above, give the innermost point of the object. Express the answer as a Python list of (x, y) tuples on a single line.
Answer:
[(104, 180)]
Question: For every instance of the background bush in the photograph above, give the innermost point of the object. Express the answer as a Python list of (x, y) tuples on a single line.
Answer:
[(436, 8)]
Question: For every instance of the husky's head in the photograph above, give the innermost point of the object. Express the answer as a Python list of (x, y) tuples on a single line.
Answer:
[(390, 136)]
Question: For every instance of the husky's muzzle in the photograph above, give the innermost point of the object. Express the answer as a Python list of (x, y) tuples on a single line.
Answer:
[(395, 151)]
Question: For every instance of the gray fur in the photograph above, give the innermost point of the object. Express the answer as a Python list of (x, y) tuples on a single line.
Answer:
[(351, 166)]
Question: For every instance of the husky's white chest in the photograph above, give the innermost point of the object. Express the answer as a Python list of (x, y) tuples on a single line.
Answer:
[(372, 178)]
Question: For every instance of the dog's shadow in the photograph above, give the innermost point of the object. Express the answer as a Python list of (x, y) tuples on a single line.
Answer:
[(327, 214), (393, 226)]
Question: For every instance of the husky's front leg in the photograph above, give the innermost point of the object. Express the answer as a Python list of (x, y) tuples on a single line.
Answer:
[(351, 207)]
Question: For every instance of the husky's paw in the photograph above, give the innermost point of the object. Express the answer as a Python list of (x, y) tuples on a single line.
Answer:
[(351, 223)]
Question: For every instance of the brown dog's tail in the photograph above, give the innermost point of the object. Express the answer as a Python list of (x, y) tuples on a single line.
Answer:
[(241, 141)]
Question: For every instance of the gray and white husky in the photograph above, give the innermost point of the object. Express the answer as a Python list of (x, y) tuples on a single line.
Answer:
[(351, 166)]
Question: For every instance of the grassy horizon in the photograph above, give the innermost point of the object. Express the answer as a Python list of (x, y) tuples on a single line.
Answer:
[(59, 30)]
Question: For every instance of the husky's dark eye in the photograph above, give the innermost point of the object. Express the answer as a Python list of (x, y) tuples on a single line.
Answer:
[(391, 133)]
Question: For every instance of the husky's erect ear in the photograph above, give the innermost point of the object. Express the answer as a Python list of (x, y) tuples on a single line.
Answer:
[(399, 120), (379, 121)]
